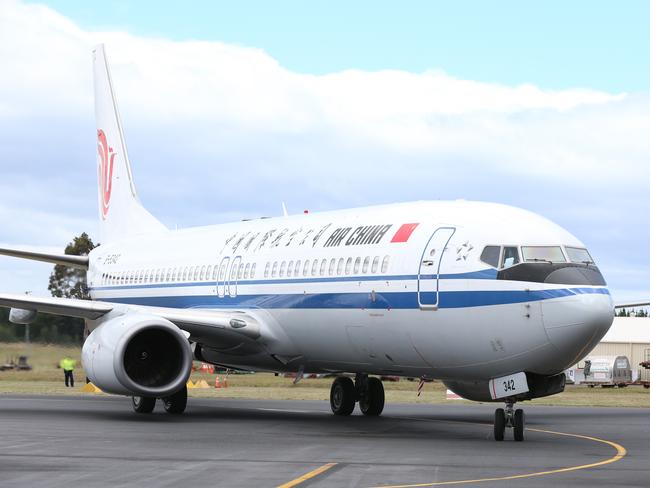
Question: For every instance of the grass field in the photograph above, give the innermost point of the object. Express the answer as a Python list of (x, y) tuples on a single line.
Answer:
[(47, 378)]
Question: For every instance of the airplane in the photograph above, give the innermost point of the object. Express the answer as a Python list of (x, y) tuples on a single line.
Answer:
[(494, 301)]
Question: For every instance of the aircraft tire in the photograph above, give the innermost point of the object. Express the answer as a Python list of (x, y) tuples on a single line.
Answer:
[(519, 421), (499, 424), (372, 403), (342, 396), (176, 403), (143, 404)]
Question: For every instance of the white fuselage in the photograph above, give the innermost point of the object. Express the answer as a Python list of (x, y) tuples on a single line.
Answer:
[(396, 289)]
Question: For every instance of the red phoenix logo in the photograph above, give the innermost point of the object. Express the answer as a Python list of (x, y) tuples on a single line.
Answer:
[(105, 170)]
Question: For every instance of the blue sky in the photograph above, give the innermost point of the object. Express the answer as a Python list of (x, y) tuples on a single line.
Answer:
[(552, 44), (231, 108)]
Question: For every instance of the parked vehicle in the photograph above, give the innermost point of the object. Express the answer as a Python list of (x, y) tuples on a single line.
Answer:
[(607, 371)]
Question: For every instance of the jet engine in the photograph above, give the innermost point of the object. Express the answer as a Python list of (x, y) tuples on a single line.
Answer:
[(138, 354)]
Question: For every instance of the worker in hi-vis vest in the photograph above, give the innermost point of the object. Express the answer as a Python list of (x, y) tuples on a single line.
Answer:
[(67, 364)]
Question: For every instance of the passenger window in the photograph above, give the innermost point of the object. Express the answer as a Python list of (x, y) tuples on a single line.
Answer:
[(202, 277), (196, 273), (266, 269), (190, 273), (233, 272), (323, 265), (241, 271), (510, 257), (339, 267), (253, 270), (357, 265), (215, 272), (157, 278), (290, 269), (222, 272), (274, 271), (283, 267), (305, 270), (314, 267), (384, 264), (366, 263), (246, 270), (490, 255), (375, 264), (297, 269), (332, 266)]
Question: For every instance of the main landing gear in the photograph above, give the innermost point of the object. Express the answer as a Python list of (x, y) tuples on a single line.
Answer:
[(174, 404), (368, 391), (511, 418)]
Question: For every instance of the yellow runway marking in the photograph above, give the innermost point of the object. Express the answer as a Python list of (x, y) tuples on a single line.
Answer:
[(308, 476), (620, 453)]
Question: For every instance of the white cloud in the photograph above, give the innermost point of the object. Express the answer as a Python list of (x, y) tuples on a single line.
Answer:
[(217, 130)]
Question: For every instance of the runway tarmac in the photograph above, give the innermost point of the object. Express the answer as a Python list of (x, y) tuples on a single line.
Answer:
[(98, 441)]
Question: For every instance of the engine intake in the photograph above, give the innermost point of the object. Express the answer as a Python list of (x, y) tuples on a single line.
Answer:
[(138, 354)]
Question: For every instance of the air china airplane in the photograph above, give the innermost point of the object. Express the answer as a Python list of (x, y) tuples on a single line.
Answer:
[(494, 301)]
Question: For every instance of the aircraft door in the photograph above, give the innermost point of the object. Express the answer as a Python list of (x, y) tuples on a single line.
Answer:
[(222, 277), (234, 274), (429, 271)]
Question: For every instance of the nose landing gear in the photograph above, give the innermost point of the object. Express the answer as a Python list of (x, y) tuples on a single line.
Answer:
[(511, 418)]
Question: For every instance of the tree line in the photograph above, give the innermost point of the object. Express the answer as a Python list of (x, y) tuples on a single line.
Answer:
[(64, 282)]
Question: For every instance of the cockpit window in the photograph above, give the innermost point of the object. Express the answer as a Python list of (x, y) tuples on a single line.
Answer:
[(579, 255), (510, 257), (543, 254), (490, 255)]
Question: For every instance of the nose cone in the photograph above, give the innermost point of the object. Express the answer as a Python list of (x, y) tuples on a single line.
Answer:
[(576, 323)]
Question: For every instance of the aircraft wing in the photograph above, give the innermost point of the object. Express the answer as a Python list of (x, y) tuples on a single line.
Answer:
[(65, 259), (186, 319), (69, 307)]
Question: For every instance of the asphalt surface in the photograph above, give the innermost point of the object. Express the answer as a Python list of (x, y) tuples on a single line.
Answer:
[(98, 441)]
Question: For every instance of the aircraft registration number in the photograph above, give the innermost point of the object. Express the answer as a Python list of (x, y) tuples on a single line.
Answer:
[(510, 385)]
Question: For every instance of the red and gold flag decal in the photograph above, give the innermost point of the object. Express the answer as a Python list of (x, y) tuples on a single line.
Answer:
[(404, 232)]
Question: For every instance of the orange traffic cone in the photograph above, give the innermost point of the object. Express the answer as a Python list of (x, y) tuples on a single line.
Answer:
[(217, 383)]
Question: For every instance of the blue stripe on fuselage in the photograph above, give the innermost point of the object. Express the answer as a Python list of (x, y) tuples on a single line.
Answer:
[(399, 300)]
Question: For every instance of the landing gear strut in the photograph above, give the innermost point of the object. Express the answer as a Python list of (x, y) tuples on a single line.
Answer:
[(369, 392), (511, 418)]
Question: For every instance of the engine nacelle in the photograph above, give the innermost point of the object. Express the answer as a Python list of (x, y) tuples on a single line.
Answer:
[(138, 354)]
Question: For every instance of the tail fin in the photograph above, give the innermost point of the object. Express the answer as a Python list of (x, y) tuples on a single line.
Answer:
[(120, 212)]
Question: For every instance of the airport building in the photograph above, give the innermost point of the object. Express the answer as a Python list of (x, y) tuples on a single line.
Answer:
[(628, 336)]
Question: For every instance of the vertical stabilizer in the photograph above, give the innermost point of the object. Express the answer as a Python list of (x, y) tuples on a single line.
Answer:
[(120, 212)]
